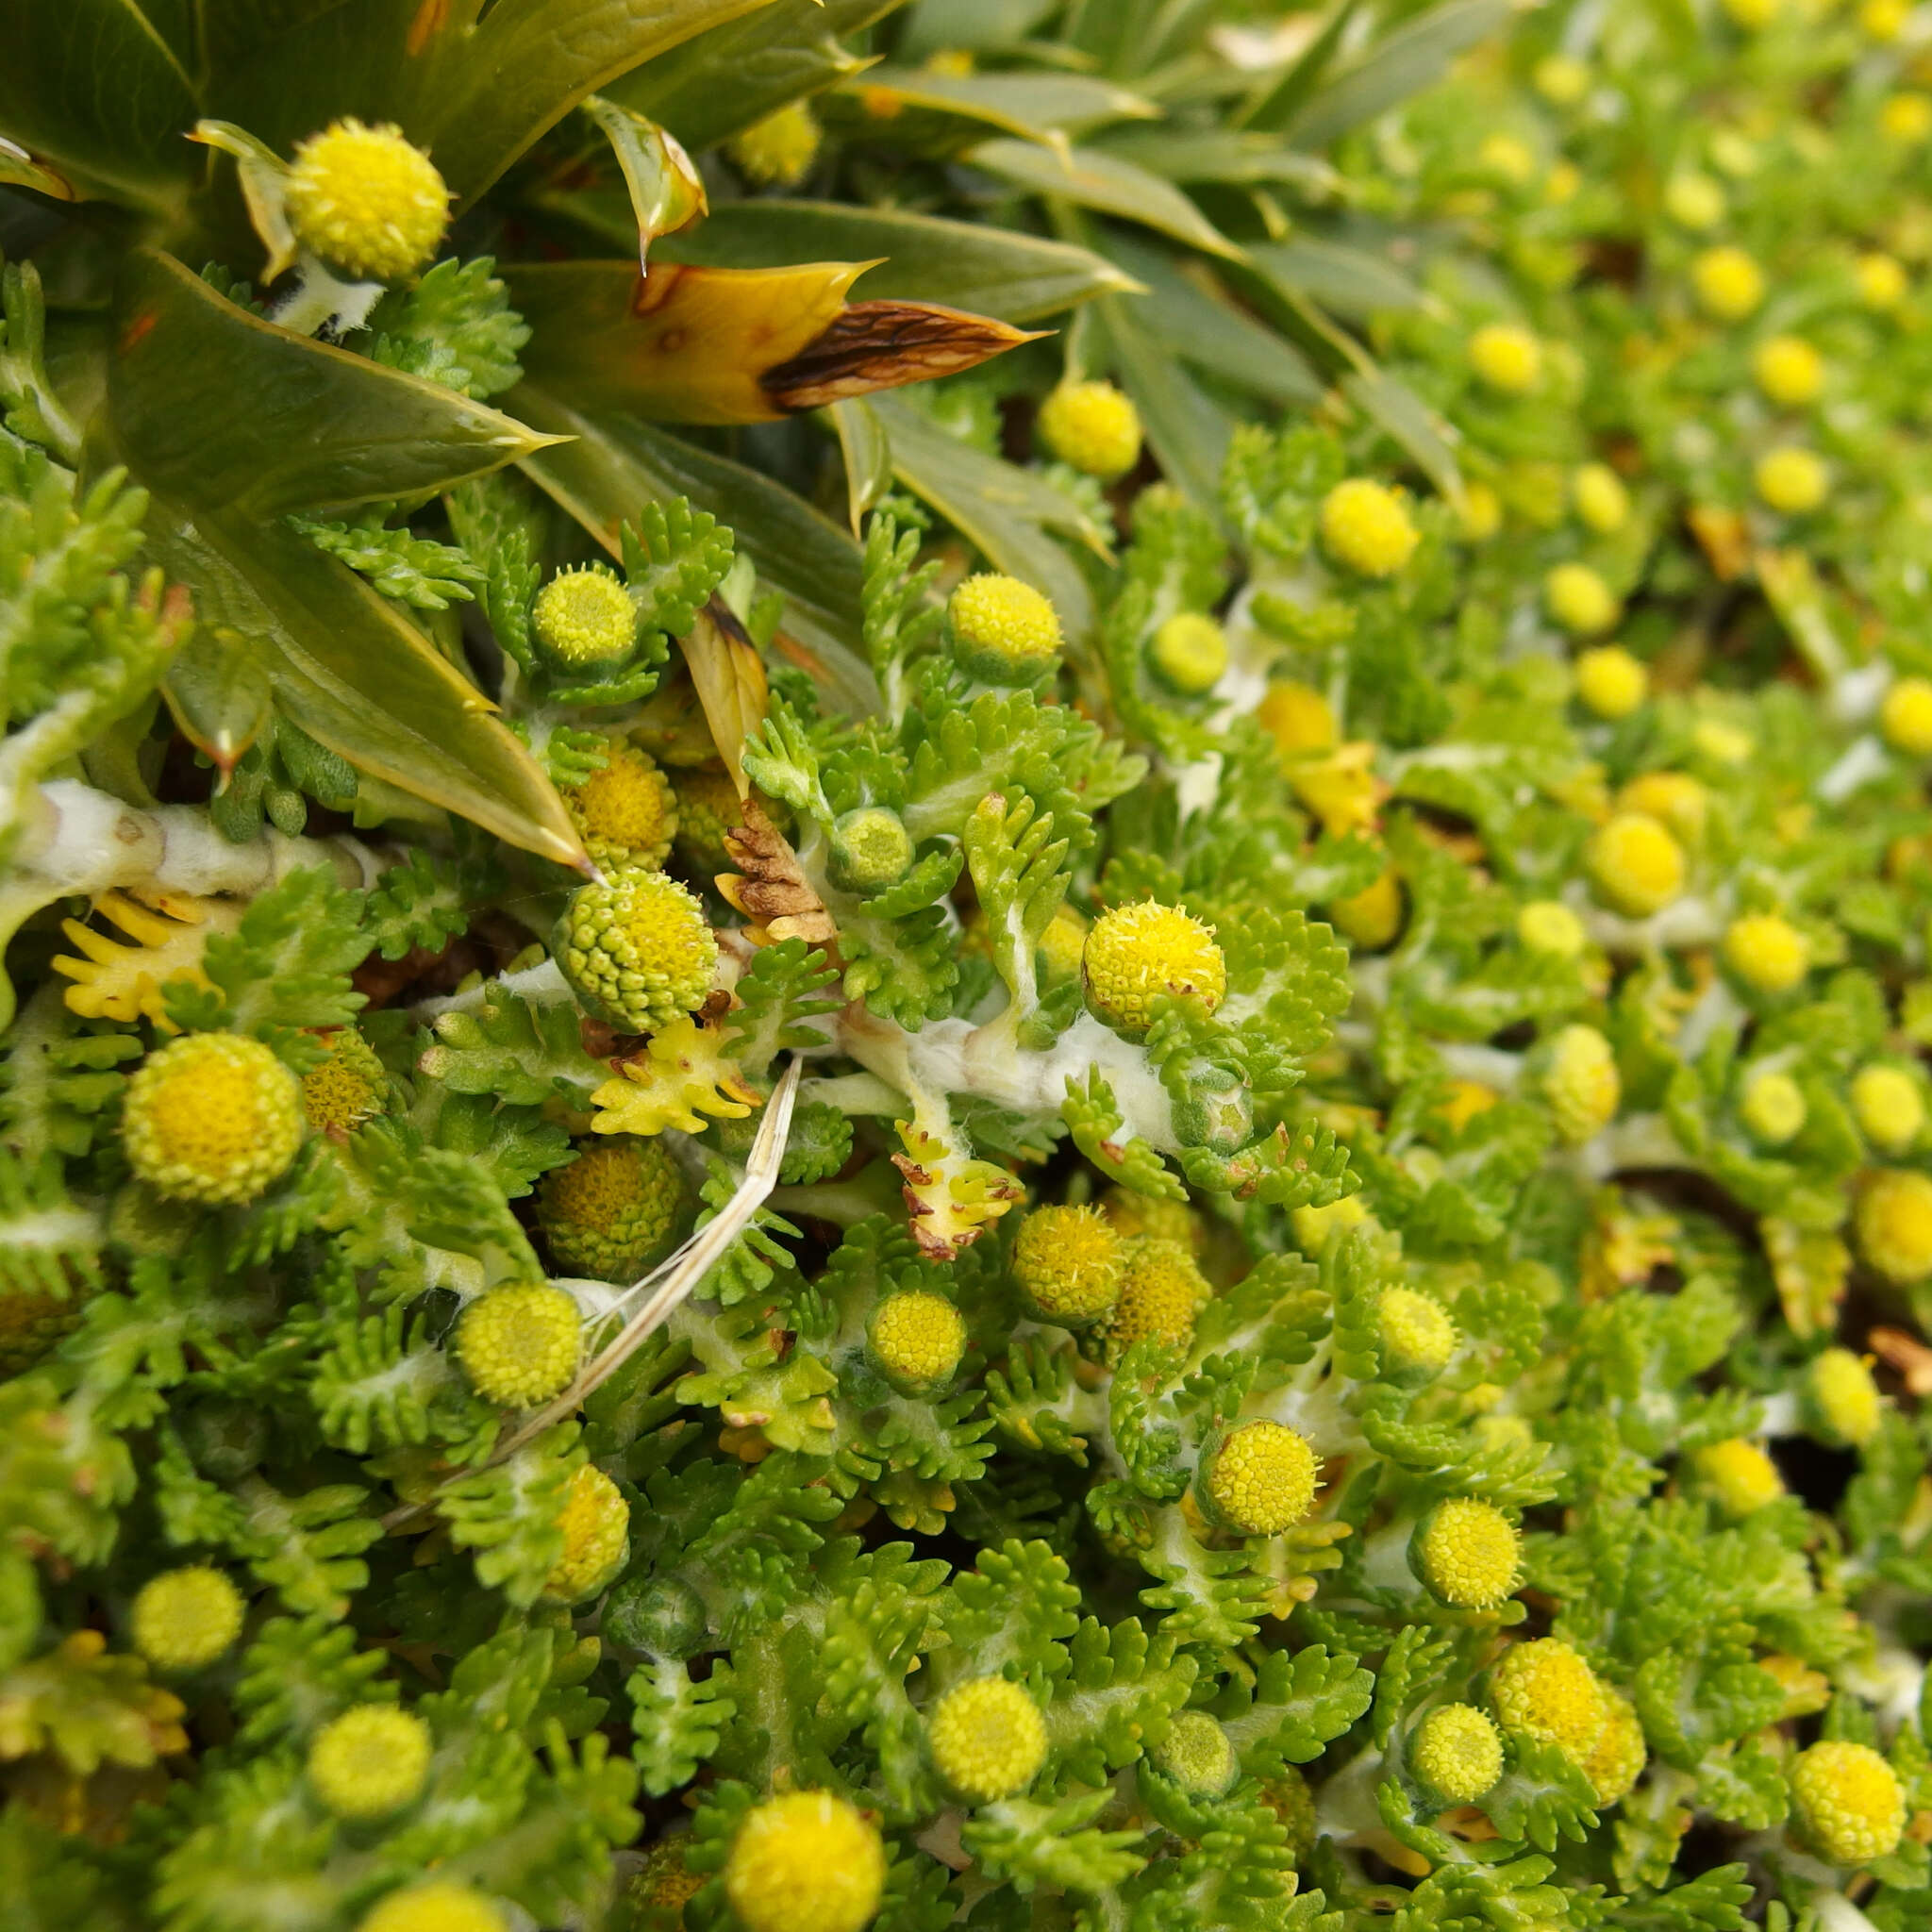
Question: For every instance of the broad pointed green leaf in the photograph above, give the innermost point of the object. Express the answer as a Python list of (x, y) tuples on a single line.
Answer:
[(1351, 281), (1097, 179), (1188, 431), (868, 453), (1219, 154), (934, 25), (1285, 97), (660, 181), (1410, 422), (1031, 105), (1417, 54)]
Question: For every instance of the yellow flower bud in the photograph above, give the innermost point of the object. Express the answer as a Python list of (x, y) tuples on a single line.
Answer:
[(1190, 652), (184, 1619), (804, 1862), (1889, 1107), (1728, 283), (212, 1117), (1069, 1262), (916, 1339), (1849, 1802), (1458, 1752), (1894, 1221), (1367, 528), (1601, 499), (369, 1761), (625, 809), (1543, 1690), (519, 1345), (1482, 511), (1466, 1553), (1313, 1226), (637, 950), (1260, 1479), (1507, 357), (1741, 1476), (1881, 282), (1723, 743), (1673, 798), (1792, 480), (1905, 118), (1636, 866), (1773, 1108), (1561, 80), (1611, 681), (1507, 158), (1138, 952), (1094, 427), (988, 1739), (1615, 1762), (1789, 370), (1905, 717), (366, 200), (1844, 1398), (1582, 1084), (1695, 201), (1769, 954), (778, 151), (1372, 917), (439, 1907), (1161, 1292), (1197, 1753), (584, 618), (1298, 718), (1547, 926), (1417, 1332), (613, 1209), (348, 1089), (596, 1537), (1579, 600), (1885, 20)]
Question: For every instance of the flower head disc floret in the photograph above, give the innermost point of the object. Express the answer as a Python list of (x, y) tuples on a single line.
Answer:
[(1893, 1219), (1611, 681), (1136, 953), (348, 1089), (1889, 1107), (1602, 500), (1198, 1755), (442, 1906), (1905, 717), (1190, 652), (1615, 1762), (1543, 1690), (1094, 427), (1635, 864), (1741, 1476), (1792, 480), (1367, 528), (520, 1346), (367, 200), (625, 811), (1507, 357), (1579, 600), (917, 1339), (1466, 1553), (1582, 1083), (214, 1118), (1003, 631), (1161, 1292), (1844, 1398), (1260, 1480), (1789, 370), (871, 849), (1769, 954), (1416, 1331), (637, 950), (804, 1862), (1849, 1801), (613, 1209), (1774, 1110), (1458, 1752), (988, 1739), (1728, 283), (369, 1761), (1068, 1262), (585, 617), (778, 151), (596, 1537), (186, 1618)]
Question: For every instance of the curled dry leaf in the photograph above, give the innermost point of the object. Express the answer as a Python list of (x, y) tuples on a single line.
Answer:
[(771, 890), (875, 345)]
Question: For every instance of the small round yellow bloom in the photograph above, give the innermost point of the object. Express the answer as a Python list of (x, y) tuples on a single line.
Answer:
[(1695, 201), (708, 806), (1789, 370), (1889, 1107), (626, 810), (1416, 1331), (1068, 1262), (1673, 798), (1769, 954), (1636, 866), (184, 1619), (1482, 511), (1724, 744), (1507, 357), (1197, 1753), (1507, 158), (584, 618), (1611, 681), (613, 1208), (367, 200), (988, 1739), (1161, 1292), (1728, 283), (1905, 118), (1543, 1690), (372, 1760), (1298, 718), (1129, 1214), (1004, 630), (1894, 1221), (917, 1339), (1466, 1553), (348, 1089), (1093, 427), (519, 1345), (1261, 1479), (1190, 652), (1844, 1398), (1367, 528), (1547, 926), (1372, 917), (596, 1537), (1792, 480), (1905, 717), (439, 1907), (1579, 600), (806, 1862), (1881, 282), (1137, 952), (1615, 1762), (1314, 1226), (871, 849), (1458, 1752), (1741, 1476), (1560, 79), (1753, 15), (1602, 500), (1467, 1099), (1885, 20), (1772, 1110), (637, 950), (778, 151), (212, 1117), (1582, 1084), (1849, 1802)]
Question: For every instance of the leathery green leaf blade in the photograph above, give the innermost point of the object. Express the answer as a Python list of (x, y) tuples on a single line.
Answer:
[(1096, 180), (1408, 60), (1410, 421), (216, 409), (219, 691), (351, 670), (1011, 276), (936, 24), (868, 453), (1031, 106), (614, 465), (1188, 431), (1349, 281)]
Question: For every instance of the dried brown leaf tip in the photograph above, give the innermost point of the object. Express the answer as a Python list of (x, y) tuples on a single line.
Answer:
[(875, 345), (772, 891)]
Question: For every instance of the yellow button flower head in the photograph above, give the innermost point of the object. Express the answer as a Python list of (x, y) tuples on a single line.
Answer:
[(917, 1339), (1416, 1332), (778, 151), (804, 1862), (1298, 718), (613, 1209), (1792, 480), (1753, 15), (1161, 1292), (871, 849), (519, 1345), (596, 1537), (1069, 1262), (1616, 1761), (1507, 357), (1372, 917), (1844, 1398), (1006, 631), (1197, 1753), (1905, 717), (584, 618), (1741, 1476), (1547, 926), (1129, 1214), (1581, 1083), (1611, 681), (369, 1761), (1885, 20), (1769, 954), (1881, 282), (1894, 1221), (1579, 600), (212, 1117), (1849, 1802), (988, 1739), (1905, 118), (1507, 158), (366, 200), (1367, 528), (1789, 370), (1466, 1553), (1673, 798), (1136, 953), (1482, 511), (1543, 1690), (1260, 1479), (1094, 427), (348, 1089), (441, 1906), (1190, 652), (1728, 283), (1772, 1110), (1634, 865), (1601, 499), (184, 1619), (637, 950), (1889, 1107), (707, 808), (625, 811), (1695, 201), (1314, 1226), (1560, 79), (1458, 1752)]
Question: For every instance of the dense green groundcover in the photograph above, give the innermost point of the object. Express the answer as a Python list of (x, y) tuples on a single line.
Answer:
[(1078, 1084)]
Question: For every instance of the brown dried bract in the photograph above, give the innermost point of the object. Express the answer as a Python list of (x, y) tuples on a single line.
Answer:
[(772, 891), (874, 345)]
